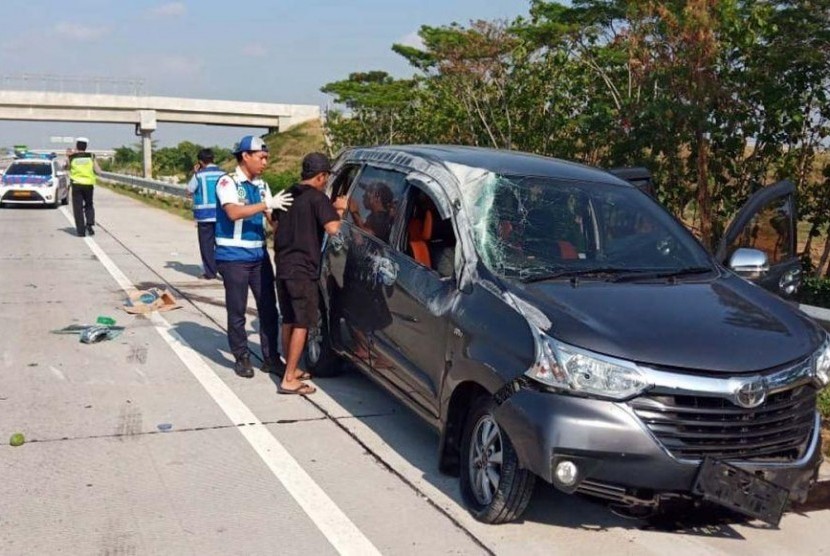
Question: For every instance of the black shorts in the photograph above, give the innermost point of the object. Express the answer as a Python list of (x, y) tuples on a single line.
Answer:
[(299, 302)]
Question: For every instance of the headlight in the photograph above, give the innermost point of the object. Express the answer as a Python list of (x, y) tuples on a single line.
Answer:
[(821, 363), (581, 371)]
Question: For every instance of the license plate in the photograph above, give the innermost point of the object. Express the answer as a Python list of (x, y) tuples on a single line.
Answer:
[(741, 491), (21, 193)]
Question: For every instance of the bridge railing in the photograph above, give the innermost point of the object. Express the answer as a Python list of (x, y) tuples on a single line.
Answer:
[(176, 190)]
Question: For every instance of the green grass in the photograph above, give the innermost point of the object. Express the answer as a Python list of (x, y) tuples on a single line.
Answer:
[(286, 151)]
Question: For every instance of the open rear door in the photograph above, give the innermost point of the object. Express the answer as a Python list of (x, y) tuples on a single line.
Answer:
[(767, 222)]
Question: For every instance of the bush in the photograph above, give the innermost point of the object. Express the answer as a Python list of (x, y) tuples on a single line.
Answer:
[(824, 403), (280, 180), (815, 291)]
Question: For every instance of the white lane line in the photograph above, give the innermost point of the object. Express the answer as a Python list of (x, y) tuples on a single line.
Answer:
[(338, 529)]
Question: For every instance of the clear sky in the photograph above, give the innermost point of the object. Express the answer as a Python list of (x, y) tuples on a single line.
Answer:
[(259, 50)]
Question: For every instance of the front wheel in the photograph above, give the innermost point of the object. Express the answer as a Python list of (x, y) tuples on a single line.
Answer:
[(494, 487)]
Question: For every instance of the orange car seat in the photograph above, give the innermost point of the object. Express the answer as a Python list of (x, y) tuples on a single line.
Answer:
[(420, 232)]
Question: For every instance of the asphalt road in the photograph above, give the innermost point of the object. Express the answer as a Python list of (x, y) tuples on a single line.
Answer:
[(149, 444)]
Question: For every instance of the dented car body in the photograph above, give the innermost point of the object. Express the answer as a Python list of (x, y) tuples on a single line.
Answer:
[(551, 320)]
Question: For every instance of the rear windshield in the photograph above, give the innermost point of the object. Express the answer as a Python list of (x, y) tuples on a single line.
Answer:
[(29, 169), (527, 227)]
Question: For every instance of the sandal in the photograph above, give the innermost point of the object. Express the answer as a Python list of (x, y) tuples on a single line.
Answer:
[(304, 375), (302, 390)]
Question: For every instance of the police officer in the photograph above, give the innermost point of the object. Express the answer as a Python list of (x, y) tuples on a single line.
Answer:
[(243, 201), (82, 176), (203, 188)]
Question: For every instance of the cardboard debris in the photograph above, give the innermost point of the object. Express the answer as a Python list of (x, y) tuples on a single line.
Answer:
[(146, 301)]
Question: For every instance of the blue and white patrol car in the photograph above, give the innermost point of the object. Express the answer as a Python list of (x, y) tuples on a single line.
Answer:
[(34, 180)]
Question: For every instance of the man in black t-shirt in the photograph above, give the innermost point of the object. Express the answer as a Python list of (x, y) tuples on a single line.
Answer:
[(298, 242)]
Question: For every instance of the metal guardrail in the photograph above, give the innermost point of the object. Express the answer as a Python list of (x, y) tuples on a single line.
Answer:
[(177, 190)]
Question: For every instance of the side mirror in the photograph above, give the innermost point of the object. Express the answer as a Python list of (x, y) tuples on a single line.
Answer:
[(749, 263)]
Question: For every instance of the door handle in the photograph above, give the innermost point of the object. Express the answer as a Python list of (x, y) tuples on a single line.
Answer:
[(336, 242), (387, 271)]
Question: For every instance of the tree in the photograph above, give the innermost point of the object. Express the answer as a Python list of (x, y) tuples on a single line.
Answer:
[(375, 107), (717, 97)]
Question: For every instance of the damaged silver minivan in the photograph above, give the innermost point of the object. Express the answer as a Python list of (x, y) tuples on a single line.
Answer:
[(552, 321)]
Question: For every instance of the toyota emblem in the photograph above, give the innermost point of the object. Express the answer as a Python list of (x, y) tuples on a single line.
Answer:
[(751, 393)]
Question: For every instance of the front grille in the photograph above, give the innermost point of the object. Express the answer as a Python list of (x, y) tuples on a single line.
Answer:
[(694, 427)]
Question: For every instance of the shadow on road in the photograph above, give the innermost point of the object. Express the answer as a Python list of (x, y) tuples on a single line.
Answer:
[(189, 269), (208, 342), (69, 230)]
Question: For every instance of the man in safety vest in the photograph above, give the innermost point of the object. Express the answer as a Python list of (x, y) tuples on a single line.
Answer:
[(83, 169), (202, 186), (243, 201)]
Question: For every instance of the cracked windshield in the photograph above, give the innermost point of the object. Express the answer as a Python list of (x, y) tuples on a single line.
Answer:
[(534, 228)]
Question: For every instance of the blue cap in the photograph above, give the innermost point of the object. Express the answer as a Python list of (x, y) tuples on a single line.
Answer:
[(250, 143)]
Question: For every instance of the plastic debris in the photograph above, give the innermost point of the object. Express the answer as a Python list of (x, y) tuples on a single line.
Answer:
[(97, 333), (106, 321), (147, 301), (17, 439), (91, 333)]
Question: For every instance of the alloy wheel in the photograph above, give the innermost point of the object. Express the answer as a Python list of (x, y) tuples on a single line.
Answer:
[(485, 462)]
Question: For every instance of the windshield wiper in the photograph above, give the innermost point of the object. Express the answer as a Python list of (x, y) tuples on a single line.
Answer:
[(575, 272), (655, 274)]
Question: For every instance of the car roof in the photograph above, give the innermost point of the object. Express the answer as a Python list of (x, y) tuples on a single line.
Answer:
[(506, 162), (34, 160)]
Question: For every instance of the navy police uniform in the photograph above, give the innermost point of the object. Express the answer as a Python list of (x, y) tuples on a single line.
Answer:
[(203, 187), (242, 260)]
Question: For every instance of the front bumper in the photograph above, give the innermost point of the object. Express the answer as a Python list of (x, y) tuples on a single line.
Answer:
[(28, 196), (611, 446)]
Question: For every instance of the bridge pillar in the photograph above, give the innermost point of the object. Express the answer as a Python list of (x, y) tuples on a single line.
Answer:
[(147, 152), (145, 128)]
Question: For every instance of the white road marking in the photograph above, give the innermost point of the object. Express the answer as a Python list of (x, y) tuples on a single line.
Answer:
[(338, 529), (57, 372)]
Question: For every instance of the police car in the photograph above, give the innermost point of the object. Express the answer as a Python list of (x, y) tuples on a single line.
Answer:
[(34, 180)]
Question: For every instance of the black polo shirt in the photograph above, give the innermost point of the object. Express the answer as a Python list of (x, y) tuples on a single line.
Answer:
[(299, 238)]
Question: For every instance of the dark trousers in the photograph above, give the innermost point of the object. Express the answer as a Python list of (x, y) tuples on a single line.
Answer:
[(259, 277), (82, 207), (207, 247)]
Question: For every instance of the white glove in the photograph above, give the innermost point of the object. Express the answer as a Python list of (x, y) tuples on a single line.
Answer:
[(280, 201)]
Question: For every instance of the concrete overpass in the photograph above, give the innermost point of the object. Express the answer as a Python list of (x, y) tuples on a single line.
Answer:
[(145, 112)]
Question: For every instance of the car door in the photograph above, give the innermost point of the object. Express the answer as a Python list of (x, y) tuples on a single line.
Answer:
[(767, 222), (337, 265), (419, 297), (372, 204)]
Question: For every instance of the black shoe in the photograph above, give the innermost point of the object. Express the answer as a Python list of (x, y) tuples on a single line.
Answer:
[(90, 231), (273, 366), (81, 234), (243, 367)]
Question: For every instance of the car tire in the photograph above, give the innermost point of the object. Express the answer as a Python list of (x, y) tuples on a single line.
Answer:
[(493, 492), (321, 359)]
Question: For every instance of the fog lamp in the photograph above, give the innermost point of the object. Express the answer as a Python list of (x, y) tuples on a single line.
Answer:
[(566, 473)]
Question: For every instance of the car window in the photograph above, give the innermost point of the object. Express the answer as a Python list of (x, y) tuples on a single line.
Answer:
[(29, 169), (769, 231), (529, 227), (341, 184), (427, 238), (374, 201)]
